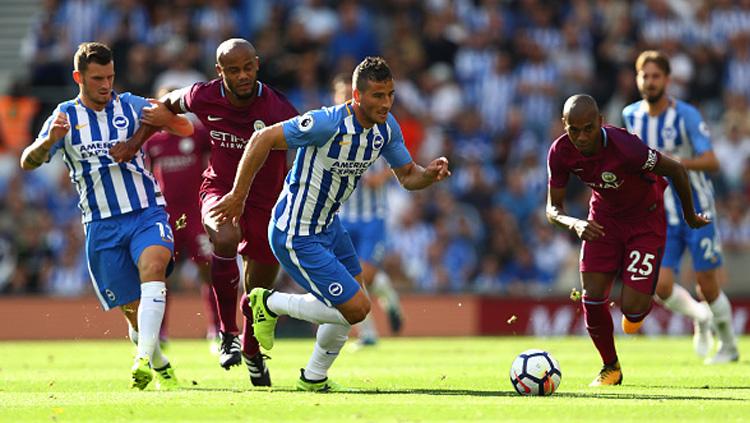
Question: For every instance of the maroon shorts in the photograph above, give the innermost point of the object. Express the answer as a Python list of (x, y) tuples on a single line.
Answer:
[(190, 239), (632, 249), (253, 223)]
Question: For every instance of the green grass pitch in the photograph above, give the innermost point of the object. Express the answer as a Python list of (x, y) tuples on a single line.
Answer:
[(401, 379)]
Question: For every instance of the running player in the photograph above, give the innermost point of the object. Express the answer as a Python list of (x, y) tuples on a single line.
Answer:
[(129, 243), (336, 145), (232, 108), (677, 129), (625, 230)]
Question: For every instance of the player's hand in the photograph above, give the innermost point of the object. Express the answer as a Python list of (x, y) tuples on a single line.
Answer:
[(228, 209), (59, 127), (588, 230), (124, 151), (438, 170), (157, 114), (697, 220)]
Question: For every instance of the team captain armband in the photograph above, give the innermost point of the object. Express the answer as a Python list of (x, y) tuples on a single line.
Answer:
[(650, 161)]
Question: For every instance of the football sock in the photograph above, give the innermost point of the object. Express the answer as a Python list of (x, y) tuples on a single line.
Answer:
[(367, 329), (722, 310), (383, 289), (328, 342), (682, 302), (250, 345), (211, 310), (600, 327), (225, 278), (150, 315), (304, 307), (158, 360)]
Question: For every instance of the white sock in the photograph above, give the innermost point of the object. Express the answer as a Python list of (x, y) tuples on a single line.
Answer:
[(367, 329), (150, 316), (383, 289), (304, 307), (158, 360), (682, 302), (328, 343), (722, 310)]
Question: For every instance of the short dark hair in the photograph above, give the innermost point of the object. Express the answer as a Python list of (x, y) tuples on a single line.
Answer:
[(91, 52), (371, 69), (655, 56)]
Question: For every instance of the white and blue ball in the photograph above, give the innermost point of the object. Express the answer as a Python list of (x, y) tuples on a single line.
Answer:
[(535, 372)]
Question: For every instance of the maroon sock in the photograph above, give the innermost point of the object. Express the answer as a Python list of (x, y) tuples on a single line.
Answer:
[(212, 311), (249, 344), (599, 325), (225, 278)]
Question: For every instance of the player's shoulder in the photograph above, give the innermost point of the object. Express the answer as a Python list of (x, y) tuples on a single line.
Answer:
[(272, 94), (65, 106), (687, 110), (560, 143), (632, 108)]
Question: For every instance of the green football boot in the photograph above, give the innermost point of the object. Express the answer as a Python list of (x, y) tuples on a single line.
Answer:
[(264, 321), (323, 386), (141, 373), (166, 379)]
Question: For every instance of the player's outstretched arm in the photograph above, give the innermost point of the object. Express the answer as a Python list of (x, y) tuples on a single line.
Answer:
[(160, 115), (706, 162), (37, 153), (585, 229), (679, 176), (230, 206), (414, 177)]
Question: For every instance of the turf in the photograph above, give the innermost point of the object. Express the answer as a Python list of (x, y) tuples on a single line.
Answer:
[(401, 379)]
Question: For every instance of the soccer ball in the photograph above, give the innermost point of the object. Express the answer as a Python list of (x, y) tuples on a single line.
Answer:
[(535, 372)]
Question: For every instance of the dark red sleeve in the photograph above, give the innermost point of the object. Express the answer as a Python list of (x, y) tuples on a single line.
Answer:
[(558, 171)]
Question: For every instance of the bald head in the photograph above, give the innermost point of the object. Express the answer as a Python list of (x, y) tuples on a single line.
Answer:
[(233, 46), (583, 123), (579, 106)]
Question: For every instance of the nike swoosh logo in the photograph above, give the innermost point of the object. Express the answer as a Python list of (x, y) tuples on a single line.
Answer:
[(577, 170), (638, 278), (214, 118), (158, 301), (81, 125), (331, 353)]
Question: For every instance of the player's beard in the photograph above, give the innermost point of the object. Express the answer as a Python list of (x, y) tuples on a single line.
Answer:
[(652, 99), (244, 96)]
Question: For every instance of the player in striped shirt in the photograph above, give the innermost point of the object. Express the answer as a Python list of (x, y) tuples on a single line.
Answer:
[(129, 243), (335, 146), (677, 129), (363, 217)]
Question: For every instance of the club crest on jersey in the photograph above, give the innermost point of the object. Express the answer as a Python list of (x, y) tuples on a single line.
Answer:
[(186, 145), (120, 122), (703, 128), (111, 295), (306, 122), (335, 289), (258, 125), (668, 134), (377, 143), (609, 177)]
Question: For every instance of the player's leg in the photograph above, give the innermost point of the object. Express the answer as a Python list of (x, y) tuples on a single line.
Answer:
[(200, 251), (225, 277), (595, 299), (152, 249), (260, 269), (705, 251), (676, 298)]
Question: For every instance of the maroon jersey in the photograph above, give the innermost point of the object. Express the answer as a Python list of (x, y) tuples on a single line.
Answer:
[(230, 127), (619, 174), (177, 163)]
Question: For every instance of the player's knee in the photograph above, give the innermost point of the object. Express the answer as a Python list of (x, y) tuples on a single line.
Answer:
[(225, 244), (663, 291), (153, 268), (358, 314)]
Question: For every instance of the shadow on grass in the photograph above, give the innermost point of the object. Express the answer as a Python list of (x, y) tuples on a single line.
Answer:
[(477, 393)]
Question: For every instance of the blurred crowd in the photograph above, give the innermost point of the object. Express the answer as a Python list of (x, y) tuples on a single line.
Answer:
[(480, 81)]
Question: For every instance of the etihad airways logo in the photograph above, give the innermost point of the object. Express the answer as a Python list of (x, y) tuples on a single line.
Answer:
[(227, 140)]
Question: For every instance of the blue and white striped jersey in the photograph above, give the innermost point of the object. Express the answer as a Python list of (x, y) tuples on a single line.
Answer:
[(334, 150), (681, 132), (367, 203), (106, 188)]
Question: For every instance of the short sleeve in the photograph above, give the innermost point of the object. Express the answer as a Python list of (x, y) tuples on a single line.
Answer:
[(557, 171), (137, 102), (697, 130), (314, 128), (640, 157), (46, 128), (187, 96), (395, 151)]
